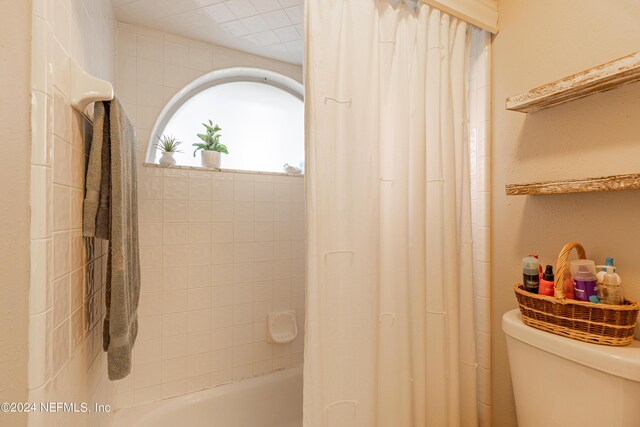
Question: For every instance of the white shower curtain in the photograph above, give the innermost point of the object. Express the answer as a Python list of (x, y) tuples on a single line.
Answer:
[(390, 335)]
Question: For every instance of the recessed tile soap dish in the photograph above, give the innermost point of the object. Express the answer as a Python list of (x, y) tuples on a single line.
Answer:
[(282, 326)]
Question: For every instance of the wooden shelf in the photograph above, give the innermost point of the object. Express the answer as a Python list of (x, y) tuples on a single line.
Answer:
[(604, 77), (605, 183)]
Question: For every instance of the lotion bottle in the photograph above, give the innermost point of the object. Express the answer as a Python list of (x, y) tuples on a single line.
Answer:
[(608, 262), (610, 289)]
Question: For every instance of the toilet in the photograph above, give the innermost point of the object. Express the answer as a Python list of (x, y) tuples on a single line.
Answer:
[(559, 381)]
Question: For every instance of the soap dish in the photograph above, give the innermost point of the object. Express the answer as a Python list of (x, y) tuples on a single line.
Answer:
[(282, 326)]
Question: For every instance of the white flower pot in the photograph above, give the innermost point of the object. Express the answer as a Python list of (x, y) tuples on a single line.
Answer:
[(167, 159), (210, 159)]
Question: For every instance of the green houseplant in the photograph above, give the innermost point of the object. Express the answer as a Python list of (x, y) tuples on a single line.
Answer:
[(168, 146), (210, 146)]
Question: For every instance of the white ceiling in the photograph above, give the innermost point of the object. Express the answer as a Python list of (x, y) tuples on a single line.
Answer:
[(271, 28)]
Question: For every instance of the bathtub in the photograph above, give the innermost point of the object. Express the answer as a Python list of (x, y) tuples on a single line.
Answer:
[(272, 400)]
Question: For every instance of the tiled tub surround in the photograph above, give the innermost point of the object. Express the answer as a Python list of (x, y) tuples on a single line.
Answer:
[(67, 276), (219, 250)]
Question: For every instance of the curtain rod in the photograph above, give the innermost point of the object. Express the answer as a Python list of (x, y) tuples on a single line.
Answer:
[(481, 13)]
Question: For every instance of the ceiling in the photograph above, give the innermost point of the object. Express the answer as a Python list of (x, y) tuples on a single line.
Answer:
[(270, 28)]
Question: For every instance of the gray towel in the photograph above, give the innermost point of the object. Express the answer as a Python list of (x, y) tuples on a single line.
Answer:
[(124, 258), (95, 170), (102, 216), (111, 210)]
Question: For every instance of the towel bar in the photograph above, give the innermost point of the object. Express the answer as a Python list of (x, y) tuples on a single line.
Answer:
[(86, 88)]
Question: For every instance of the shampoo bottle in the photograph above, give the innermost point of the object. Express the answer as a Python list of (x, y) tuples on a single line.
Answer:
[(547, 282), (530, 274)]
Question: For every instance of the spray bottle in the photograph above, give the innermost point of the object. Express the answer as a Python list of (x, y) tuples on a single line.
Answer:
[(547, 282)]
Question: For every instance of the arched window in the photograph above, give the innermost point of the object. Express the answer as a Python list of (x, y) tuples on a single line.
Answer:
[(261, 114)]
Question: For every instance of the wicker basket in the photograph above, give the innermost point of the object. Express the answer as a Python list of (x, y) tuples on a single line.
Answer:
[(595, 323)]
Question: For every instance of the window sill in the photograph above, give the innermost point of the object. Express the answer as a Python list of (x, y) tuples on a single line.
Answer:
[(202, 168)]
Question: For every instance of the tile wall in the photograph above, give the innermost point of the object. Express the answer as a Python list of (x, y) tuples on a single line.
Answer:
[(219, 250), (66, 362), (480, 149)]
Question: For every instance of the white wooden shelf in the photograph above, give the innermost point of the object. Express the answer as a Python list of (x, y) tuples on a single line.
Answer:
[(605, 183), (604, 77)]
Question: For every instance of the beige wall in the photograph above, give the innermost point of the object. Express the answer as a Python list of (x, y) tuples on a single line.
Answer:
[(540, 41), (15, 33)]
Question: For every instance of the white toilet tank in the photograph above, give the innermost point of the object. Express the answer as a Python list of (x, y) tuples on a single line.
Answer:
[(562, 382)]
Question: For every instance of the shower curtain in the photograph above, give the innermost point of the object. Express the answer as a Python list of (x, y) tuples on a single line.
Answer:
[(390, 333)]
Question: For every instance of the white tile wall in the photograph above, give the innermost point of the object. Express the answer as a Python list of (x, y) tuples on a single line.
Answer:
[(213, 267), (66, 362), (219, 250), (479, 125)]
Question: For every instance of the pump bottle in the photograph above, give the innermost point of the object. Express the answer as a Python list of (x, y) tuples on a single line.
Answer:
[(610, 290), (530, 274)]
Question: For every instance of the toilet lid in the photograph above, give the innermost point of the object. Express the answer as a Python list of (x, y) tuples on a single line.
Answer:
[(620, 361)]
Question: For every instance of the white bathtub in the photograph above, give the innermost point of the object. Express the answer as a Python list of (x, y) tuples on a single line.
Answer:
[(273, 400)]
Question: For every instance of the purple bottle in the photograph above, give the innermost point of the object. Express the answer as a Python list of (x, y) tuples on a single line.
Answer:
[(585, 281)]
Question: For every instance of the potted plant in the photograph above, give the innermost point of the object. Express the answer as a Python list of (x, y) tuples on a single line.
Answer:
[(211, 147), (168, 145)]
